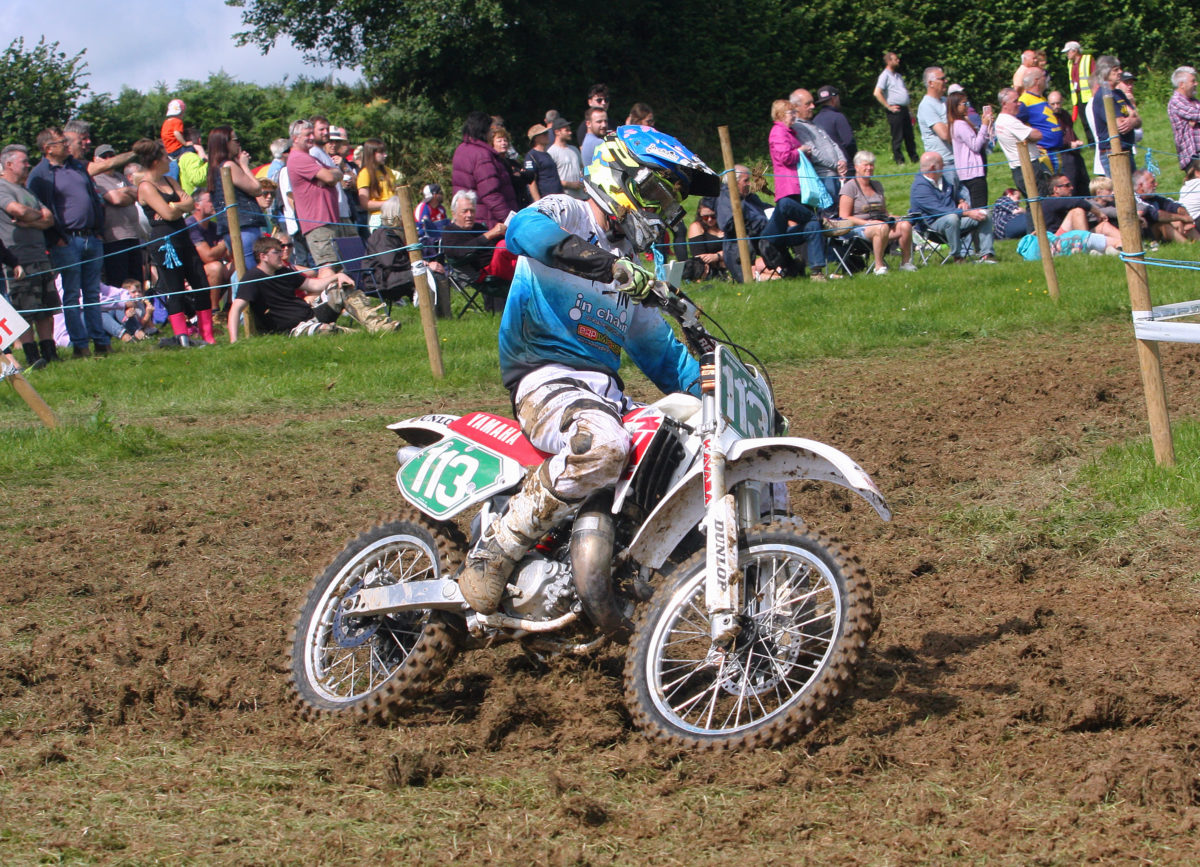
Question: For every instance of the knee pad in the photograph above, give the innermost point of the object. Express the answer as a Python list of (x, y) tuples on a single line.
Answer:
[(598, 449)]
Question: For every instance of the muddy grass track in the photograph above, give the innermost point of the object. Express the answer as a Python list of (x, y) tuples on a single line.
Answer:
[(1030, 696)]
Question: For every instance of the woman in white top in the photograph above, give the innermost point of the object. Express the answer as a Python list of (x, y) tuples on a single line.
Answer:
[(1189, 194)]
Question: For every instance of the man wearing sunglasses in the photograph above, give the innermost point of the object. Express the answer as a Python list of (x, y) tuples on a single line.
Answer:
[(597, 98)]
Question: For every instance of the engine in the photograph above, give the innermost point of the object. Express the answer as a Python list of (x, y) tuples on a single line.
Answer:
[(544, 589)]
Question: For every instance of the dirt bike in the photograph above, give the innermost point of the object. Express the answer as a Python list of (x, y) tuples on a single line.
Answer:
[(742, 624)]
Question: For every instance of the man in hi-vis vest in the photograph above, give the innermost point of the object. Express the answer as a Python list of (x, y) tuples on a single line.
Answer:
[(1079, 70)]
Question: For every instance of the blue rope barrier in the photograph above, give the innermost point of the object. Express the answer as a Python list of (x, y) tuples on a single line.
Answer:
[(125, 251), (1178, 264)]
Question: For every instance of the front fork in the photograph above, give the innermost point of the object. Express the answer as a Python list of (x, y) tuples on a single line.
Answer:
[(722, 578)]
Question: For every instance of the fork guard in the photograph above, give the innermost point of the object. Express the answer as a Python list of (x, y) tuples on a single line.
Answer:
[(766, 459)]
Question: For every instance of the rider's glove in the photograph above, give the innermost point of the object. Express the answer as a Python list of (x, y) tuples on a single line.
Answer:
[(632, 279)]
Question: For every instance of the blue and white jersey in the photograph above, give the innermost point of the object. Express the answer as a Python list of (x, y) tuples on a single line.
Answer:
[(553, 317)]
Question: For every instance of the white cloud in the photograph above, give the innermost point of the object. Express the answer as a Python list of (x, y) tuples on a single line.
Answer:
[(139, 43)]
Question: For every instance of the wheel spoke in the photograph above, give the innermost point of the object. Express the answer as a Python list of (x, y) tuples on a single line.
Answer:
[(716, 692), (698, 631), (683, 707), (378, 664), (736, 711), (351, 675), (667, 687), (791, 603)]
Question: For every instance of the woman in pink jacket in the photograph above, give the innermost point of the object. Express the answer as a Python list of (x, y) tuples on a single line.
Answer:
[(970, 147), (785, 149)]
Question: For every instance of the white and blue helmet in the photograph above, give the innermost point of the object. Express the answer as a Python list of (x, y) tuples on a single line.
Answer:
[(640, 176)]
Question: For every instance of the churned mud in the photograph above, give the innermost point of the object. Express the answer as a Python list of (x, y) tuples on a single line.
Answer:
[(1030, 695)]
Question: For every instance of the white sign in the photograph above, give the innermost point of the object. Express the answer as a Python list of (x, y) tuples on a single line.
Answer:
[(12, 325)]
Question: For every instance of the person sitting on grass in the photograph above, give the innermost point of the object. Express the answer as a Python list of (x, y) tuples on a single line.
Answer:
[(286, 301), (754, 216), (1068, 243), (703, 252), (138, 320), (1065, 212), (1102, 198), (1009, 219), (1163, 219), (113, 300), (213, 251), (1189, 194)]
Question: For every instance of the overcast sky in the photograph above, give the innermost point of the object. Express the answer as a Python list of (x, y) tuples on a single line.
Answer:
[(142, 42)]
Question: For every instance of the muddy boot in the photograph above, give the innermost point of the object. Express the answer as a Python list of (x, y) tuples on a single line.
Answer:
[(531, 513), (374, 319)]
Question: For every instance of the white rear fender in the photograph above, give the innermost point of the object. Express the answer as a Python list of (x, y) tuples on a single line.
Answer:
[(768, 459)]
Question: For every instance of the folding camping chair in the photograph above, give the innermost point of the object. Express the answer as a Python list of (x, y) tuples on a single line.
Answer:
[(928, 243), (482, 292), (848, 254), (352, 254)]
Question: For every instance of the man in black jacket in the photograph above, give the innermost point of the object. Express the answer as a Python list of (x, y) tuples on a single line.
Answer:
[(831, 119)]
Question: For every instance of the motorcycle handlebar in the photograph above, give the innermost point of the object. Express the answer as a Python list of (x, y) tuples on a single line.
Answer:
[(671, 300), (684, 311)]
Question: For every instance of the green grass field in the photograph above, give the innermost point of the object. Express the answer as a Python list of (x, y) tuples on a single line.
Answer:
[(114, 409)]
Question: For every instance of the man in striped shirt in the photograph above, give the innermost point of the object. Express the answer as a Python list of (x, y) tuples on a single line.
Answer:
[(1183, 110)]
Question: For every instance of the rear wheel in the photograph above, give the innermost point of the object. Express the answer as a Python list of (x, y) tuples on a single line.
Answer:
[(805, 620), (374, 667)]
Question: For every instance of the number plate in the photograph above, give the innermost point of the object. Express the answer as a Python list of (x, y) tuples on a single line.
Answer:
[(452, 474), (745, 402)]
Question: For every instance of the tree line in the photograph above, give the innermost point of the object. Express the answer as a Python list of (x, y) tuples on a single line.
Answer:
[(700, 63)]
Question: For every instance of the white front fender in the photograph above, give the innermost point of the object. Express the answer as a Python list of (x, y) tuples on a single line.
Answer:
[(768, 459)]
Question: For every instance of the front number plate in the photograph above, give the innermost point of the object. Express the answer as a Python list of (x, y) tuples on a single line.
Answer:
[(745, 402)]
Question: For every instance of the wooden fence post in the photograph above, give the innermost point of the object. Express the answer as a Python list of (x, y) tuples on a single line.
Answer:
[(1121, 170), (1033, 199), (29, 394), (12, 325), (421, 278), (735, 202)]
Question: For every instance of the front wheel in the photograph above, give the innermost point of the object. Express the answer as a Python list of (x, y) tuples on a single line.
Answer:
[(374, 667), (805, 620)]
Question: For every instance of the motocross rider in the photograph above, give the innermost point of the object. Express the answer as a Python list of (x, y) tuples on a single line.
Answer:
[(574, 305)]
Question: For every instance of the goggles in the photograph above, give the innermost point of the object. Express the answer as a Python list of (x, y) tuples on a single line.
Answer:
[(654, 194)]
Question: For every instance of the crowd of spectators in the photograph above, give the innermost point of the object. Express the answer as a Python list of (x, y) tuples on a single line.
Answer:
[(948, 202), (118, 243)]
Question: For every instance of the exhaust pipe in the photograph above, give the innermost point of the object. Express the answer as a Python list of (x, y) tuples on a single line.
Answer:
[(592, 541)]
